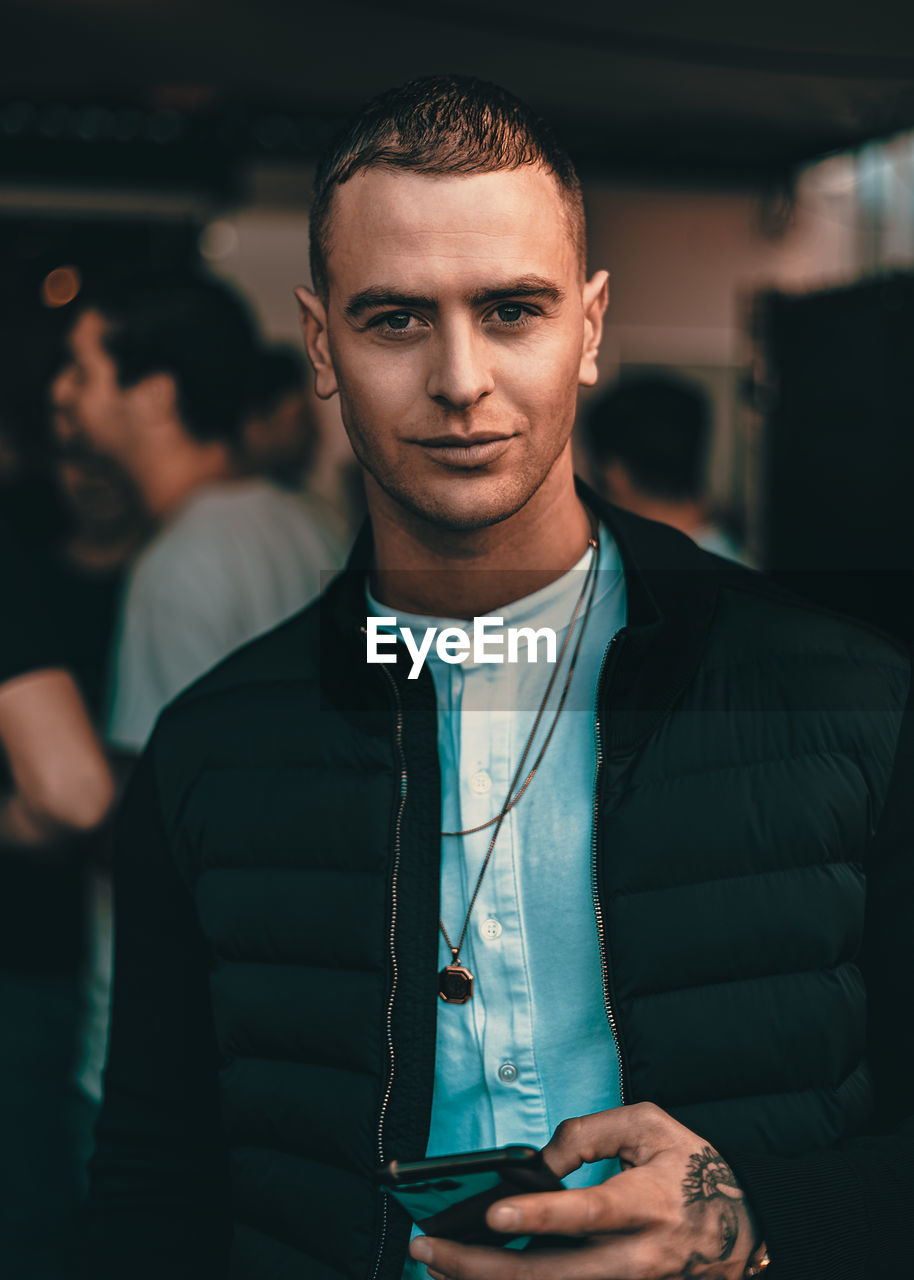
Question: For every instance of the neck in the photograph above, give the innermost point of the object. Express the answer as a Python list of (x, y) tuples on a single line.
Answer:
[(169, 473), (424, 568)]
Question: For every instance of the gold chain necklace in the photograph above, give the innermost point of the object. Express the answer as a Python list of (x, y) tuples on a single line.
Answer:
[(455, 982)]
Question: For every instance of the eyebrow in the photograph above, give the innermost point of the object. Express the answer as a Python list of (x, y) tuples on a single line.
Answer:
[(382, 296)]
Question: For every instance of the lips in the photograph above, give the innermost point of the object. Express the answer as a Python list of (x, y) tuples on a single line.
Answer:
[(466, 452)]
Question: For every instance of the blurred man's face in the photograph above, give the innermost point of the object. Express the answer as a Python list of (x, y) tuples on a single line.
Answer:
[(457, 332), (86, 394), (100, 495)]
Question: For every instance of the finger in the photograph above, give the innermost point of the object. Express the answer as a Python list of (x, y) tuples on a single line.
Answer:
[(618, 1258), (634, 1133), (453, 1261), (626, 1202)]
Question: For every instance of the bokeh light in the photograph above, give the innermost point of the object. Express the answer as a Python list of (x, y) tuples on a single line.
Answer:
[(60, 286)]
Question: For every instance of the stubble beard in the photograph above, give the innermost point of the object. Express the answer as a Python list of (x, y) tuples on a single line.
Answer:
[(418, 504)]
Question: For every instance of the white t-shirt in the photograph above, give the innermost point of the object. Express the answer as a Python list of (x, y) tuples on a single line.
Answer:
[(239, 557)]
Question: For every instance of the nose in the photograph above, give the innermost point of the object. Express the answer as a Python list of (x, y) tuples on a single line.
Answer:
[(462, 370)]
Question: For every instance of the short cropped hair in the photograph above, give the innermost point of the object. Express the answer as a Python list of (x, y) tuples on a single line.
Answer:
[(658, 427), (441, 125), (192, 327)]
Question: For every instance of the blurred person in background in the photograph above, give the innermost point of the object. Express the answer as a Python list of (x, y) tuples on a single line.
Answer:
[(281, 435), (649, 438), (55, 792), (71, 521), (105, 527), (75, 512), (157, 378)]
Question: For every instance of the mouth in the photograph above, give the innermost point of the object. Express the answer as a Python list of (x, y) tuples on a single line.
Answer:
[(466, 452)]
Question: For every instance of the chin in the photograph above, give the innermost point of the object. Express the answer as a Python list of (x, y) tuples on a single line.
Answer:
[(465, 512)]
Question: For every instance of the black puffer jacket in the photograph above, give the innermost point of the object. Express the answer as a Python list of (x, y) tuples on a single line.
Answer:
[(277, 889)]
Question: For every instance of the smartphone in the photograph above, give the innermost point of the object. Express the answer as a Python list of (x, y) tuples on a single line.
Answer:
[(448, 1195)]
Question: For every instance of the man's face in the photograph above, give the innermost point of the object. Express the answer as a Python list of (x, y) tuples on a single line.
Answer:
[(458, 332), (86, 399)]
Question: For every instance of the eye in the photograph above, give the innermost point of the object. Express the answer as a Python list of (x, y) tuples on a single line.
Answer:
[(395, 324), (512, 315)]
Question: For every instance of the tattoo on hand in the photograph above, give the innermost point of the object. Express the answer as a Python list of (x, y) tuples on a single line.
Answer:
[(708, 1179), (709, 1176)]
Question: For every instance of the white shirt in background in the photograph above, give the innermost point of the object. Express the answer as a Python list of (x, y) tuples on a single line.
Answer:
[(239, 557)]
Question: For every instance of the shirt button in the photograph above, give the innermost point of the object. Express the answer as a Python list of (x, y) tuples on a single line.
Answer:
[(490, 928), (481, 782), (507, 1073)]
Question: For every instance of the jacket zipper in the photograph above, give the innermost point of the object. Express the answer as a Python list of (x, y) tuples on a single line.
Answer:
[(598, 912), (398, 737), (594, 875)]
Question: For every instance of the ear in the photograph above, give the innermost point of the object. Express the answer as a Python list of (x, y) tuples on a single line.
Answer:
[(595, 298), (314, 323), (155, 397)]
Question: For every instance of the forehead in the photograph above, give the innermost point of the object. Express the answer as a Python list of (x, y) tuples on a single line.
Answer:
[(85, 338), (417, 228)]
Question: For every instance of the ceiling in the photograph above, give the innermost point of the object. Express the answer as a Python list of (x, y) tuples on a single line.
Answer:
[(721, 89)]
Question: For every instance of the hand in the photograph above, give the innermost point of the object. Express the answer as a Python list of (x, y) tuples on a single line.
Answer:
[(675, 1212)]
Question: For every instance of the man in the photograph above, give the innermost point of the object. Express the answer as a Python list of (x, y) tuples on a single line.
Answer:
[(367, 915), (649, 440), (157, 379)]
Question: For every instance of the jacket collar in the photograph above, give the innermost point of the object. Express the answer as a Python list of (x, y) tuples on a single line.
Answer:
[(672, 588)]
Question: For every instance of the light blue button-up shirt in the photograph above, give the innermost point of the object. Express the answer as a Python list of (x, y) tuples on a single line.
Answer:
[(533, 1046)]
